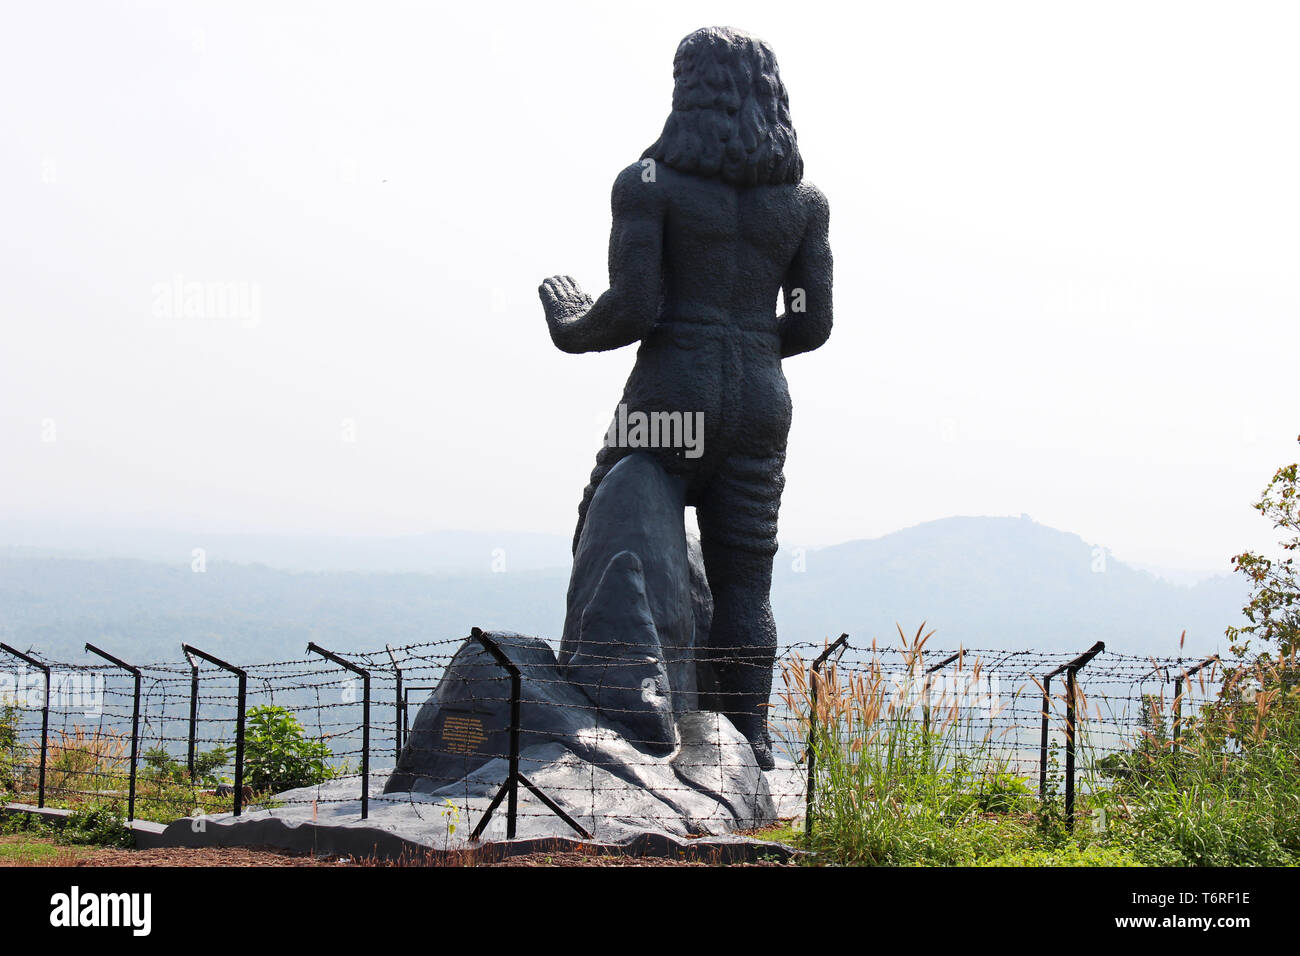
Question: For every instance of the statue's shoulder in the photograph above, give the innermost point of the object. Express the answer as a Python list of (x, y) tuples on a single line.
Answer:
[(634, 187), (814, 200)]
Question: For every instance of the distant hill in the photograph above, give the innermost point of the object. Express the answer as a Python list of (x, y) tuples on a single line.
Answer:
[(252, 613), (436, 552), (1001, 583), (982, 582)]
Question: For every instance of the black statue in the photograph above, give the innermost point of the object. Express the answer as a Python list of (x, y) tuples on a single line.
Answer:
[(709, 227)]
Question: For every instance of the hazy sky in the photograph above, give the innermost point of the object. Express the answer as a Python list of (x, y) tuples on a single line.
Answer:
[(1065, 241)]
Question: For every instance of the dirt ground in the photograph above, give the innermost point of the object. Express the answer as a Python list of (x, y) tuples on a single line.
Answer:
[(24, 850), (27, 850)]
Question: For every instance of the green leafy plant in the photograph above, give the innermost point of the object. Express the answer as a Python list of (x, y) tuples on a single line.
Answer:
[(100, 825), (21, 823), (1274, 608), (1219, 788), (164, 767), (278, 754), (10, 763), (1226, 794), (451, 817), (1068, 854)]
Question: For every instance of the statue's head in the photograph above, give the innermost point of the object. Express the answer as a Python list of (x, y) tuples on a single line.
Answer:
[(731, 113)]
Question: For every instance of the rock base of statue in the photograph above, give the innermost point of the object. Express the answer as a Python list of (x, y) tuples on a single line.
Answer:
[(619, 726), (579, 743), (325, 820)]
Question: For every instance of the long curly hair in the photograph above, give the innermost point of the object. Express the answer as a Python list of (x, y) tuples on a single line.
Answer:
[(731, 113)]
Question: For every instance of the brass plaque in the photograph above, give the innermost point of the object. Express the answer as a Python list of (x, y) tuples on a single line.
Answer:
[(463, 732)]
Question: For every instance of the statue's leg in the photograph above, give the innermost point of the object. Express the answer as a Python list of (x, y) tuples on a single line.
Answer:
[(737, 517)]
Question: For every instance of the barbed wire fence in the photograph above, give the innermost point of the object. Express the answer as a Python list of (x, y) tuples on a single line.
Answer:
[(1000, 712), (166, 740)]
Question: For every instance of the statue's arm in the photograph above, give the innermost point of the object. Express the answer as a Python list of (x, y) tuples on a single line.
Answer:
[(806, 322), (630, 307)]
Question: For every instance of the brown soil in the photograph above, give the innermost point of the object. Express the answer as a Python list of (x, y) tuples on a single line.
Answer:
[(56, 855)]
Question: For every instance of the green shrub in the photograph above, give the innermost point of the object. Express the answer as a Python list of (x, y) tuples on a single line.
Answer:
[(97, 826), (278, 754), (21, 823), (162, 766), (10, 763)]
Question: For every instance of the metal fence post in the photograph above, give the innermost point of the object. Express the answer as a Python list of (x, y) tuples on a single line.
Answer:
[(239, 717), (406, 705), (510, 788), (1178, 698), (45, 717), (239, 743), (398, 711), (810, 748), (1071, 686), (365, 720), (194, 712), (1072, 682), (135, 722), (1071, 670), (1042, 744), (1177, 729)]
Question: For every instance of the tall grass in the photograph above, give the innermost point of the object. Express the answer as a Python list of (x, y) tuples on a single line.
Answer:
[(900, 782), (91, 768), (1220, 787), (87, 763), (906, 772)]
